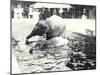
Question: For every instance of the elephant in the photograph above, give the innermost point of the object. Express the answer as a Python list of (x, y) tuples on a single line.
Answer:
[(54, 26)]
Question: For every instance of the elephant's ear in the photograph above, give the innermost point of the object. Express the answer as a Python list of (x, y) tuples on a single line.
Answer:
[(47, 27), (43, 27)]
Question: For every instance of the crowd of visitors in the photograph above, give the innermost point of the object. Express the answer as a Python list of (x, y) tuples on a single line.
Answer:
[(43, 13)]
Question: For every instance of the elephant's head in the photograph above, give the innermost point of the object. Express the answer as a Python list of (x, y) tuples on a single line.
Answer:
[(40, 28)]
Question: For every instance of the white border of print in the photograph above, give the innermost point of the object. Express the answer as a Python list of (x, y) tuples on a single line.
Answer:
[(5, 37)]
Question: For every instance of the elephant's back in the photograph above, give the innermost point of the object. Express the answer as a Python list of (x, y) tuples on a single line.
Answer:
[(56, 26), (55, 21)]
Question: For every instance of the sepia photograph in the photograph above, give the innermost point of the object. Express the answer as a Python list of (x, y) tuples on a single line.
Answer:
[(52, 37)]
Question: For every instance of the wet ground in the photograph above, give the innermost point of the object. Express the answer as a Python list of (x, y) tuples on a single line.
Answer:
[(42, 60), (53, 59)]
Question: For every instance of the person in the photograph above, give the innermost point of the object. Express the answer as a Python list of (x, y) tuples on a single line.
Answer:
[(42, 14), (84, 14), (54, 12), (36, 14), (18, 12), (26, 11), (49, 14), (30, 12), (60, 12)]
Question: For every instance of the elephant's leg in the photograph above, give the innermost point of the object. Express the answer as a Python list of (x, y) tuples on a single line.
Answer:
[(64, 33)]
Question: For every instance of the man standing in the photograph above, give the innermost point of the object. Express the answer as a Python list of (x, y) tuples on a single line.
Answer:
[(30, 12), (26, 11), (18, 12)]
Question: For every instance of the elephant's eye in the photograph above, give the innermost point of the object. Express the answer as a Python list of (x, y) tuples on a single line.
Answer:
[(37, 24)]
